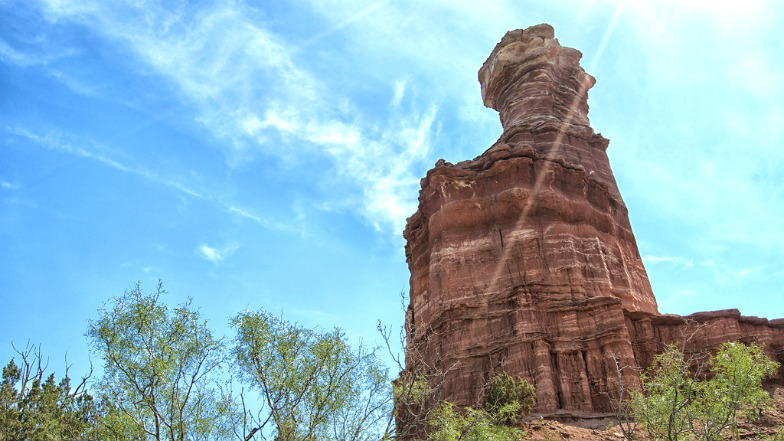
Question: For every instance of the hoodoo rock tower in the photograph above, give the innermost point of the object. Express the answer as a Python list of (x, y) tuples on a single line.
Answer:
[(523, 259)]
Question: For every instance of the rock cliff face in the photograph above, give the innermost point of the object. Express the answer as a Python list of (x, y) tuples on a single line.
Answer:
[(650, 332), (523, 259)]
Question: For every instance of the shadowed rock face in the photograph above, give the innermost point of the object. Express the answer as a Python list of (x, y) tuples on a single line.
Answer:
[(523, 259)]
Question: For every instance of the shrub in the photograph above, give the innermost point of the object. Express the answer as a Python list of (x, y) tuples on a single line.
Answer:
[(674, 403), (449, 423), (509, 399)]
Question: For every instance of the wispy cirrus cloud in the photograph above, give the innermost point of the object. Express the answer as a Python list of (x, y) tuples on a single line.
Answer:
[(98, 153), (10, 185), (706, 146), (252, 91), (10, 55), (381, 162), (688, 263), (259, 92), (724, 273), (28, 58)]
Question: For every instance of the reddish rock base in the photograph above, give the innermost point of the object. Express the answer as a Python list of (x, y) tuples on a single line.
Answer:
[(523, 260), (763, 429)]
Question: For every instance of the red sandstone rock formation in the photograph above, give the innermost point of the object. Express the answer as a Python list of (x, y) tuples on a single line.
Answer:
[(650, 332), (523, 259)]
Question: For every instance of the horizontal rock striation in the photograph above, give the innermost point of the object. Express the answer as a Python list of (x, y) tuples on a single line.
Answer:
[(523, 259), (649, 333)]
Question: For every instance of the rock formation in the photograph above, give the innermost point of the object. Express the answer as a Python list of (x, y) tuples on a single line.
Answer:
[(523, 259)]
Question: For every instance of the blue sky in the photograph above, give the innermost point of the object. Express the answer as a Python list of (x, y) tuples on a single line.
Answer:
[(266, 154)]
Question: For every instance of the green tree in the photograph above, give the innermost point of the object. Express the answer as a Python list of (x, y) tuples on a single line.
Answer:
[(35, 406), (312, 384), (735, 387), (677, 401), (509, 399), (449, 423), (160, 367), (506, 401), (666, 391), (417, 392), (419, 408)]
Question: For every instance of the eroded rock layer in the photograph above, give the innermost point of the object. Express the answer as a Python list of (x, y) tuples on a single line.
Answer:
[(523, 260), (649, 333)]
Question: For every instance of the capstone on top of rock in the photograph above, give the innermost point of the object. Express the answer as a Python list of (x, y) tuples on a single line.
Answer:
[(530, 79)]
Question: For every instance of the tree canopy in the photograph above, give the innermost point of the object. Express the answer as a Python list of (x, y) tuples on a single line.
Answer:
[(314, 386), (34, 405), (680, 400), (160, 367)]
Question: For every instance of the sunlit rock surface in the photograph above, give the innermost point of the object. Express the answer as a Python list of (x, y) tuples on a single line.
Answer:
[(523, 259)]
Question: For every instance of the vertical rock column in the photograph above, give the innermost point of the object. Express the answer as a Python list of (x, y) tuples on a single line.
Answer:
[(523, 259)]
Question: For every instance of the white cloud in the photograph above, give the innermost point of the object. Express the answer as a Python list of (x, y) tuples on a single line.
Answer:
[(400, 91), (332, 134), (9, 185), (254, 87), (688, 263), (726, 273), (246, 214), (9, 54), (743, 272), (756, 75), (30, 58), (249, 88), (688, 292), (99, 154), (252, 124), (210, 254), (76, 86), (216, 255), (381, 162)]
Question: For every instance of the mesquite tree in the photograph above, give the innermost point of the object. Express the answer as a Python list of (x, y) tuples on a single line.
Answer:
[(677, 401), (312, 383), (159, 370)]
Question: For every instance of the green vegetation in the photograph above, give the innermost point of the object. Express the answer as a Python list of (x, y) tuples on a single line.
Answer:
[(160, 367), (166, 377), (678, 402), (509, 399), (313, 384), (33, 406), (451, 424)]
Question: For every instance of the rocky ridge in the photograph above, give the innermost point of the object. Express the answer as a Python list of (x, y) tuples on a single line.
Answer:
[(523, 259)]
